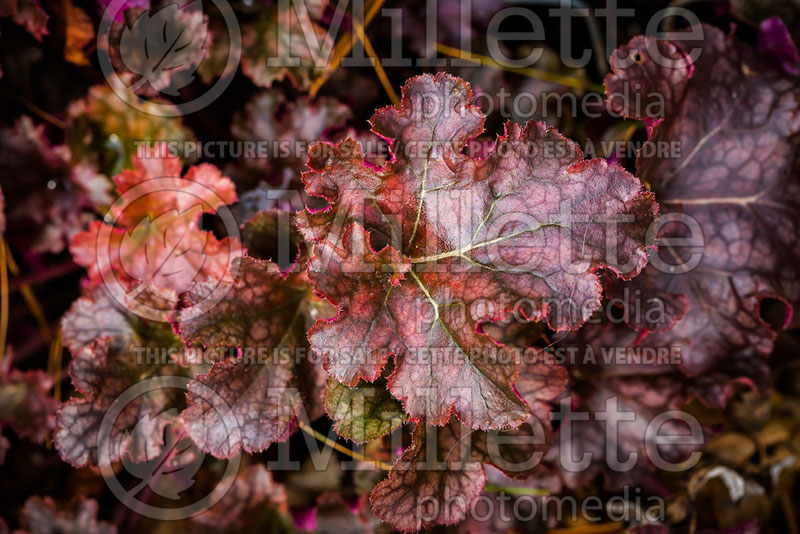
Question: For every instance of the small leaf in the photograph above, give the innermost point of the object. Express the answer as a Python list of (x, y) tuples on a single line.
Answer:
[(28, 14), (103, 129), (279, 29), (155, 241), (92, 317), (102, 371), (26, 404), (80, 34)]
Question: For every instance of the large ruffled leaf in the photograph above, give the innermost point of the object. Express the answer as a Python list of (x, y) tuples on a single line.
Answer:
[(468, 241)]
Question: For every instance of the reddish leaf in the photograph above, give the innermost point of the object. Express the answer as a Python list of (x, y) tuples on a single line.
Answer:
[(417, 495), (527, 225), (735, 118), (288, 125), (156, 240), (440, 475)]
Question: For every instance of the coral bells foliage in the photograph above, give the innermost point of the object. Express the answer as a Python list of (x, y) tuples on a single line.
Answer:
[(466, 241)]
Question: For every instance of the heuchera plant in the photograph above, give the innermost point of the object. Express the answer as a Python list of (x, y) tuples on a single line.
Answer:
[(413, 300), (378, 291)]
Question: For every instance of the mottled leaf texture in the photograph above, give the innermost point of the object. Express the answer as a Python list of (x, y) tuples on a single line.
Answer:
[(26, 404), (90, 318), (417, 494), (466, 241), (152, 237), (734, 118), (441, 474), (101, 375), (41, 516), (249, 401), (255, 503)]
